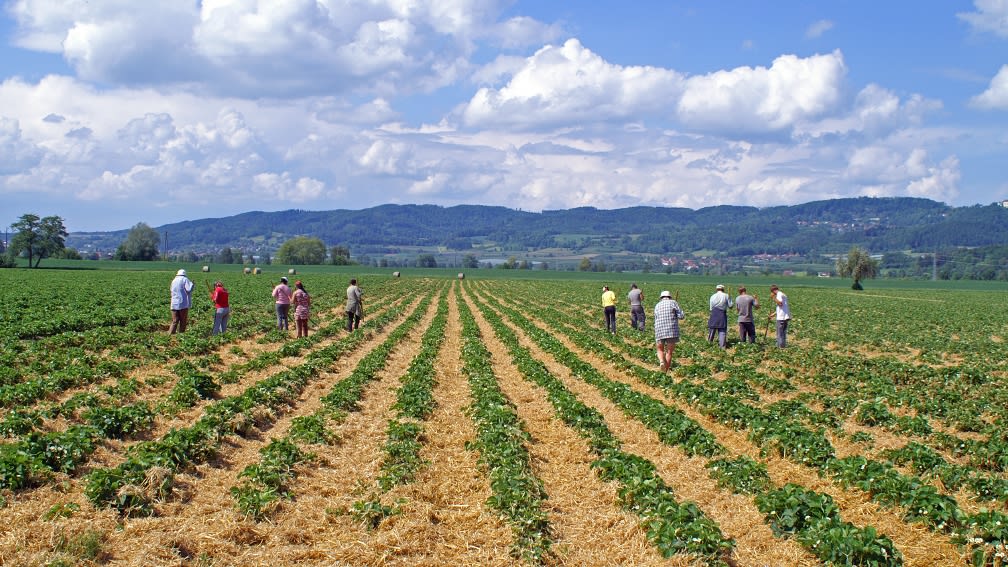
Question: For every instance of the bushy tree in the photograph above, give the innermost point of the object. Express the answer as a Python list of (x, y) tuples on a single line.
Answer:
[(141, 244), (585, 265), (226, 256), (68, 254), (858, 265), (301, 250), (470, 261), (38, 237), (340, 255), (426, 261)]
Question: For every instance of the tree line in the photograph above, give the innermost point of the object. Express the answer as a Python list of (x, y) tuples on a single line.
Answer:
[(36, 238)]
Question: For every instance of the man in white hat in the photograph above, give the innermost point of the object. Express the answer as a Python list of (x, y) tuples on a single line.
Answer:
[(666, 328), (181, 298), (717, 324)]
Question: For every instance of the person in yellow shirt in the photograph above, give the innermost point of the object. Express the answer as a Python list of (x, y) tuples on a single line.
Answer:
[(609, 306)]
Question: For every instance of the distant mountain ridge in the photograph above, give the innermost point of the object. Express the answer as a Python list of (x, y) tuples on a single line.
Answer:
[(831, 226)]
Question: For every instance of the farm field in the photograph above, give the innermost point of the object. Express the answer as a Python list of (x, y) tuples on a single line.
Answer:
[(494, 422)]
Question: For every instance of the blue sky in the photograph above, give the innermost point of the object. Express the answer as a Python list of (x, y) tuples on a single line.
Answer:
[(115, 112)]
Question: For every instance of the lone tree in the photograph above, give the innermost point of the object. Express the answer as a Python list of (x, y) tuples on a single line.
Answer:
[(141, 244), (301, 250), (426, 261), (38, 237), (857, 265), (340, 255)]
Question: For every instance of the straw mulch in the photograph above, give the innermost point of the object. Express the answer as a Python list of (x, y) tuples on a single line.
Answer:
[(737, 516), (589, 526), (918, 545)]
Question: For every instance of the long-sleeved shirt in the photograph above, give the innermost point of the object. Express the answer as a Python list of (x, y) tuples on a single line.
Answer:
[(181, 293), (720, 300)]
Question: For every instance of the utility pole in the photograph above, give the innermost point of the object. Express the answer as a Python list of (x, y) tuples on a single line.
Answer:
[(934, 266), (164, 255)]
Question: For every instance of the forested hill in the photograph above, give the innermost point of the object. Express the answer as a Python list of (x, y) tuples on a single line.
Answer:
[(878, 224)]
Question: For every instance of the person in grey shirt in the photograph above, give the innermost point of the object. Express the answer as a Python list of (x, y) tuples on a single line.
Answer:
[(745, 304), (354, 306), (636, 298)]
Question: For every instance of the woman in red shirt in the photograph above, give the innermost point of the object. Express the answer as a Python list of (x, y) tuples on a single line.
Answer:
[(219, 296)]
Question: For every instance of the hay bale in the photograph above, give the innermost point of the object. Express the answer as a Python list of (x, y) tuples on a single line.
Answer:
[(461, 276), (247, 271), (395, 274), (206, 268), (292, 272), (257, 271)]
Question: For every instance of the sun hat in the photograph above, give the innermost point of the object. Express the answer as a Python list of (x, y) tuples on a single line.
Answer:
[(666, 293), (180, 273), (283, 279), (720, 286)]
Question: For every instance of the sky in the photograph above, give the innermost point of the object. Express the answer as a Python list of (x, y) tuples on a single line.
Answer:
[(115, 112)]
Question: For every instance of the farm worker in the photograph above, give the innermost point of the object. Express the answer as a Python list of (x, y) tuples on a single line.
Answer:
[(354, 306), (222, 312), (609, 307), (302, 303), (636, 298), (717, 324), (666, 328), (181, 298), (782, 314), (282, 295), (745, 304)]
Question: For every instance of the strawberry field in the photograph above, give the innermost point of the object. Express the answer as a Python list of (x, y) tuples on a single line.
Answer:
[(495, 422)]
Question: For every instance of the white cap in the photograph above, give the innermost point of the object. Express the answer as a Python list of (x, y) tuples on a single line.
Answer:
[(180, 273), (720, 286), (666, 293)]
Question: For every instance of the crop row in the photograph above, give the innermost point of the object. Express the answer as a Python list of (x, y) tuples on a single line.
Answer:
[(517, 493), (789, 438), (194, 444), (267, 480), (826, 535), (36, 452), (674, 527)]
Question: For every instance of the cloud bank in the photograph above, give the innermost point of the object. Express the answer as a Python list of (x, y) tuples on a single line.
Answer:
[(177, 111)]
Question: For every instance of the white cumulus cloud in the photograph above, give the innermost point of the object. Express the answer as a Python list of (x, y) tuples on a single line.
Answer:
[(570, 83), (761, 99), (990, 16), (996, 95)]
